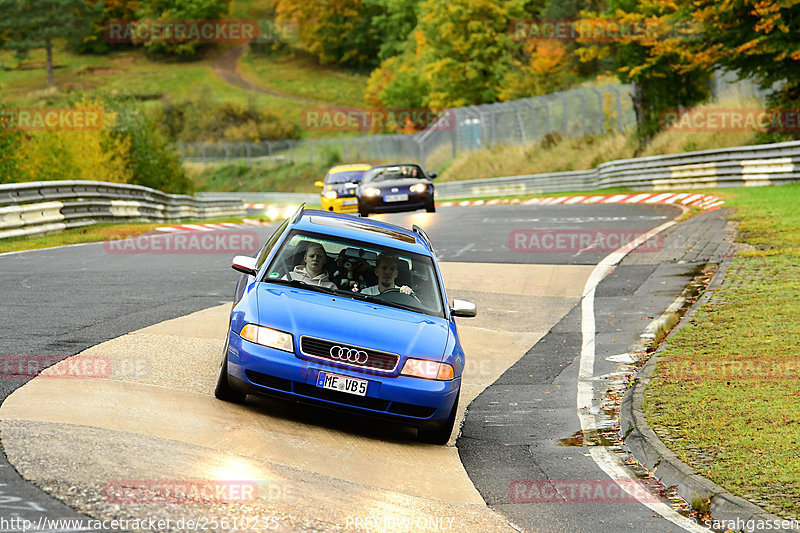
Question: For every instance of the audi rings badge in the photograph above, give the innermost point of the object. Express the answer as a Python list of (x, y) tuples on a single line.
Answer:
[(348, 355)]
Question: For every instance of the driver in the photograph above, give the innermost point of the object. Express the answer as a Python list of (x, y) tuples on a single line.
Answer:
[(386, 270)]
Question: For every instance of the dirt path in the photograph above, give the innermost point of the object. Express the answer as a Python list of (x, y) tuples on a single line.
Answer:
[(226, 67)]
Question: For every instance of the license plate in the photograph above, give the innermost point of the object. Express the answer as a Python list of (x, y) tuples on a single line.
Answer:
[(339, 383), (352, 201), (395, 198)]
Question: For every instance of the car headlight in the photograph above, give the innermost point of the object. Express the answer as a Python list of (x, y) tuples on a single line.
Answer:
[(418, 187), (372, 191), (330, 194), (268, 337), (422, 368)]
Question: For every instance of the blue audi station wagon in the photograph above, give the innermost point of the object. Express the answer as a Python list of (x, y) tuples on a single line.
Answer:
[(347, 313)]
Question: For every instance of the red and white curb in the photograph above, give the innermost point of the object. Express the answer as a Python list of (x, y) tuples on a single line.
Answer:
[(197, 227), (705, 202)]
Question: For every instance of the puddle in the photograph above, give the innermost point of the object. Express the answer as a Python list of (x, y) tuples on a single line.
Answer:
[(591, 437)]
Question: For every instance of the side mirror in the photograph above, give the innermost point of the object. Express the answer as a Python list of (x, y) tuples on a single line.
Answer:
[(464, 309), (319, 184), (244, 264), (432, 175)]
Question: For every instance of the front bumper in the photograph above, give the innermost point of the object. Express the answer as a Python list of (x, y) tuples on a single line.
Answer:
[(256, 369), (347, 204), (376, 204)]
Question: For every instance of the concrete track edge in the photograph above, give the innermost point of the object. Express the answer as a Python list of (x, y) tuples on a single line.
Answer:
[(654, 455)]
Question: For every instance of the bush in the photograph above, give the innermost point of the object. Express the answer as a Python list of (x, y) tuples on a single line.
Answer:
[(150, 159), (73, 154), (9, 144), (198, 120)]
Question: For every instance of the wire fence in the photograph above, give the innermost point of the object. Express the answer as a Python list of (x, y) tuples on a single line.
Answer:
[(574, 113)]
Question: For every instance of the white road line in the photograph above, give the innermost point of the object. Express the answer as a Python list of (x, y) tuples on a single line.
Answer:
[(609, 462)]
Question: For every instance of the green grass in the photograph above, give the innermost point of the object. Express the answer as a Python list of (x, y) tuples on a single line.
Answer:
[(726, 388), (131, 74), (93, 233), (300, 75)]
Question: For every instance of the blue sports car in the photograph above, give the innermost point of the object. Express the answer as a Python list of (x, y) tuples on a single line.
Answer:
[(351, 314)]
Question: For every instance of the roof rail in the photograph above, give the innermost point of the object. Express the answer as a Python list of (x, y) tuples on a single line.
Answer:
[(424, 236), (298, 213)]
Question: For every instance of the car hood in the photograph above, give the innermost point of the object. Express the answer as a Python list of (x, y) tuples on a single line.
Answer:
[(355, 322)]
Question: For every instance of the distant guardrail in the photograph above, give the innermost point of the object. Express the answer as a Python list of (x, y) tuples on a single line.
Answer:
[(767, 164), (48, 206)]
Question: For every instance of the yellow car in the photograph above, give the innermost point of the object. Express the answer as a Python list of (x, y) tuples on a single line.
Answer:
[(339, 188)]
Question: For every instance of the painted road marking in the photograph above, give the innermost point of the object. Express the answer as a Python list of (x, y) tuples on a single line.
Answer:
[(606, 460)]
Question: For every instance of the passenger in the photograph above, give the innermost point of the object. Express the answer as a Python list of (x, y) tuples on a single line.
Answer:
[(386, 270), (312, 271)]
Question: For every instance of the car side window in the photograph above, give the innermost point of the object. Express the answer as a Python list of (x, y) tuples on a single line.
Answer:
[(262, 255)]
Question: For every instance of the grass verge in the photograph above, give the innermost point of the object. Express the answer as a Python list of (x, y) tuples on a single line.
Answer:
[(725, 391), (93, 233)]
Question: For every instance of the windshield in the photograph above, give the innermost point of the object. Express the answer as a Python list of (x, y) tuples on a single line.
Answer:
[(349, 176), (358, 270), (394, 173)]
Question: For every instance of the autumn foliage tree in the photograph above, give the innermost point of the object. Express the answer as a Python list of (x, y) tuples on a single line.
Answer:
[(757, 39), (335, 31), (657, 55)]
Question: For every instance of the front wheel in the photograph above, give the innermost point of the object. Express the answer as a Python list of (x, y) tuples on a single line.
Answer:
[(223, 390), (363, 212), (431, 207), (440, 435)]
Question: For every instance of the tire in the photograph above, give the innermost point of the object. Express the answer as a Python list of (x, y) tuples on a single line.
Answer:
[(440, 435), (431, 208), (223, 391), (363, 212)]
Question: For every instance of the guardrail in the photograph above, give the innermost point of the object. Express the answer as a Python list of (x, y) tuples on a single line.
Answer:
[(767, 164), (48, 206)]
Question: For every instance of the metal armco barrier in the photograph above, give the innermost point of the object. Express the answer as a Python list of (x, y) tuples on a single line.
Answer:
[(48, 206), (767, 164)]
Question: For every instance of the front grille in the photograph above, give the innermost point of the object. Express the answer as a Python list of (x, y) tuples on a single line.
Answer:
[(322, 349), (342, 398)]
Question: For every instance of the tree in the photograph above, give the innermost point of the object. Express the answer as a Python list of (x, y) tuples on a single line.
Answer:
[(465, 49), (756, 38), (660, 60), (179, 10), (394, 20), (33, 24), (335, 31)]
